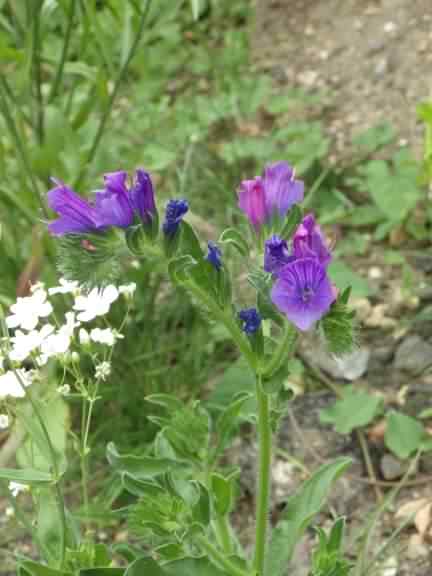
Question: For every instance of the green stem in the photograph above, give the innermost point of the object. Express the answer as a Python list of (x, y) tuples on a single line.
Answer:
[(113, 96), (19, 143), (284, 350), (60, 67), (36, 71), (57, 487), (85, 431), (264, 482), (219, 558), (223, 533), (225, 317)]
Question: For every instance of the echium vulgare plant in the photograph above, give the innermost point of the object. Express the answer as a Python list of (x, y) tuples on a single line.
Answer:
[(184, 490)]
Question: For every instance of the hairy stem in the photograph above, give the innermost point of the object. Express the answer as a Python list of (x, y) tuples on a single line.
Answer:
[(264, 481)]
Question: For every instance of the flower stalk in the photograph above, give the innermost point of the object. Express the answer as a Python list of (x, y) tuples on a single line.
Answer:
[(264, 475)]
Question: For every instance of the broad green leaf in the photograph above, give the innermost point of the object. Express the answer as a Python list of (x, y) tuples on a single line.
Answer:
[(344, 276), (299, 512), (236, 378), (374, 138), (144, 566), (393, 187), (36, 569), (35, 451), (26, 475), (49, 525), (229, 419), (192, 567), (403, 435), (141, 467), (189, 243), (354, 410)]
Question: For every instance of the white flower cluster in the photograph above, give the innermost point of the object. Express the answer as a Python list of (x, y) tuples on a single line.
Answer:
[(40, 341)]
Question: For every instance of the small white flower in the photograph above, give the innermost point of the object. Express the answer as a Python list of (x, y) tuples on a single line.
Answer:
[(4, 421), (105, 336), (128, 290), (96, 303), (9, 512), (38, 286), (27, 311), (11, 384), (17, 487), (66, 287), (84, 337), (23, 344), (64, 390), (103, 370)]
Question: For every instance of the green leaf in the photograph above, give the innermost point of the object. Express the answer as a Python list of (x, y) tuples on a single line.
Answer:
[(299, 512), (354, 410), (26, 475), (393, 187), (221, 493), (403, 435), (192, 567), (229, 420), (237, 378), (168, 401), (201, 510), (49, 525), (34, 451), (374, 138), (141, 467), (102, 572), (344, 276), (189, 242), (144, 566), (36, 569), (233, 237)]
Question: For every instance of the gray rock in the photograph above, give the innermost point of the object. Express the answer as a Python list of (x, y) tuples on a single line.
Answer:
[(392, 468), (349, 367), (413, 355)]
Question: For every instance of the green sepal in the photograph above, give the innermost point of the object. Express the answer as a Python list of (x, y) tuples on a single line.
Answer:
[(339, 326), (91, 259), (292, 220)]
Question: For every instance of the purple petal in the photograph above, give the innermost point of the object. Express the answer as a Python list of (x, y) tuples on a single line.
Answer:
[(309, 241), (251, 200), (276, 254), (281, 189), (76, 214), (112, 204), (142, 196), (303, 292)]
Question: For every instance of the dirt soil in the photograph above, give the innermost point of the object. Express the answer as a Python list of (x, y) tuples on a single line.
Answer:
[(374, 57)]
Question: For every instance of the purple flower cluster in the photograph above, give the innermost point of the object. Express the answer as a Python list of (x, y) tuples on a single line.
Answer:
[(271, 194), (251, 320), (114, 206), (117, 205), (302, 291)]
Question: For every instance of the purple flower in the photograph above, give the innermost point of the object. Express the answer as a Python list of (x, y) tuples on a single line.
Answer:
[(272, 193), (142, 196), (276, 254), (308, 241), (174, 213), (303, 292), (214, 255), (115, 205), (76, 214), (251, 320)]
